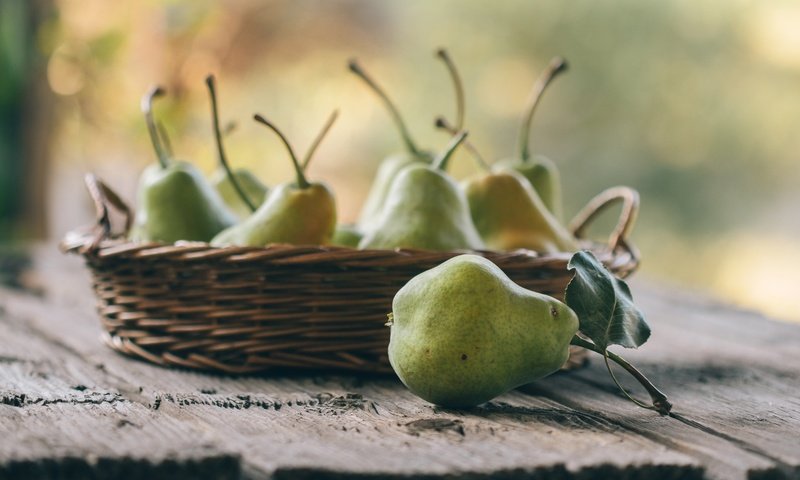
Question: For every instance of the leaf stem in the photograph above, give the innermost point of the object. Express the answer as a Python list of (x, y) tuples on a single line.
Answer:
[(212, 91), (660, 402)]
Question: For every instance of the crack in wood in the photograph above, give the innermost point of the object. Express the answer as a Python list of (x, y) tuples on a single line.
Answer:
[(213, 466), (322, 402), (563, 417), (439, 425), (779, 470), (10, 359), (550, 472), (236, 402), (22, 400), (779, 465)]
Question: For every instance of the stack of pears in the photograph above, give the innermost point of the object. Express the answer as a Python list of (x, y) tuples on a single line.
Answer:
[(176, 203), (413, 203), (514, 205)]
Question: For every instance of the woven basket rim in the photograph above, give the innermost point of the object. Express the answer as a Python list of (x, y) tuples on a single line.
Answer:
[(286, 254), (97, 240)]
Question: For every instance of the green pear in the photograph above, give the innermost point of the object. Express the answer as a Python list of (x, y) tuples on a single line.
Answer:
[(543, 175), (346, 236), (425, 209), (387, 172), (540, 171), (174, 200), (253, 188), (463, 333), (392, 165), (290, 214), (300, 213), (509, 214), (241, 191)]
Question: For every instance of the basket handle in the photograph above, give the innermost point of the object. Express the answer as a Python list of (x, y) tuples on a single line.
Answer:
[(103, 196), (630, 210)]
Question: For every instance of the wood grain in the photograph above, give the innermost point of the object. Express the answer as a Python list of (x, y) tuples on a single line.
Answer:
[(69, 404)]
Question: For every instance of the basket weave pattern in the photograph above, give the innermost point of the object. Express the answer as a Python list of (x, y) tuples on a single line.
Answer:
[(249, 309)]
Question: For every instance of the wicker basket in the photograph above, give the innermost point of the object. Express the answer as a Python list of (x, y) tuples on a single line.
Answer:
[(249, 309)]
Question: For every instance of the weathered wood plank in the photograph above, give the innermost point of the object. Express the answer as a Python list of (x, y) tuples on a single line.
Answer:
[(56, 421), (105, 439), (320, 426), (567, 426), (733, 377)]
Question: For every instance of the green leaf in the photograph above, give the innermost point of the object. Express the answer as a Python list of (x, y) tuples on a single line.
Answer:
[(604, 305)]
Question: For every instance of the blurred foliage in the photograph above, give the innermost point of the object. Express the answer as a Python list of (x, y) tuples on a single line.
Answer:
[(695, 104), (14, 59)]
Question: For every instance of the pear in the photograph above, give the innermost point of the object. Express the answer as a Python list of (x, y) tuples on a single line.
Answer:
[(174, 201), (300, 212), (509, 214), (254, 189), (463, 333), (540, 171), (346, 236), (425, 209), (392, 165), (241, 191)]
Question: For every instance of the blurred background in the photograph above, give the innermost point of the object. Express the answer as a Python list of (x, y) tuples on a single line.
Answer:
[(695, 104)]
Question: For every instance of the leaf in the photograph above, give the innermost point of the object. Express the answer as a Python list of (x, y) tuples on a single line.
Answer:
[(604, 305)]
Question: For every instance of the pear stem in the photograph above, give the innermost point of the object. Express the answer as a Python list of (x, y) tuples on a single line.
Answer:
[(229, 128), (212, 91), (147, 108), (301, 178), (440, 163), (162, 133), (457, 85), (660, 402), (398, 120), (320, 136), (556, 66), (443, 124)]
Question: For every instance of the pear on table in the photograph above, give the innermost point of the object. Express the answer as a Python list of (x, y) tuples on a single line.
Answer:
[(174, 200), (299, 212), (463, 333), (425, 209), (392, 165), (540, 171)]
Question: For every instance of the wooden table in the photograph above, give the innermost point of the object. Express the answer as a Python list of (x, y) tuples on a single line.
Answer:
[(71, 408)]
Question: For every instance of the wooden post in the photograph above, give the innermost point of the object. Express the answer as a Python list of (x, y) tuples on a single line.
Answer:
[(25, 121)]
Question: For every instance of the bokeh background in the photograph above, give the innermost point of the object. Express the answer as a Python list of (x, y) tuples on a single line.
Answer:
[(695, 104)]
